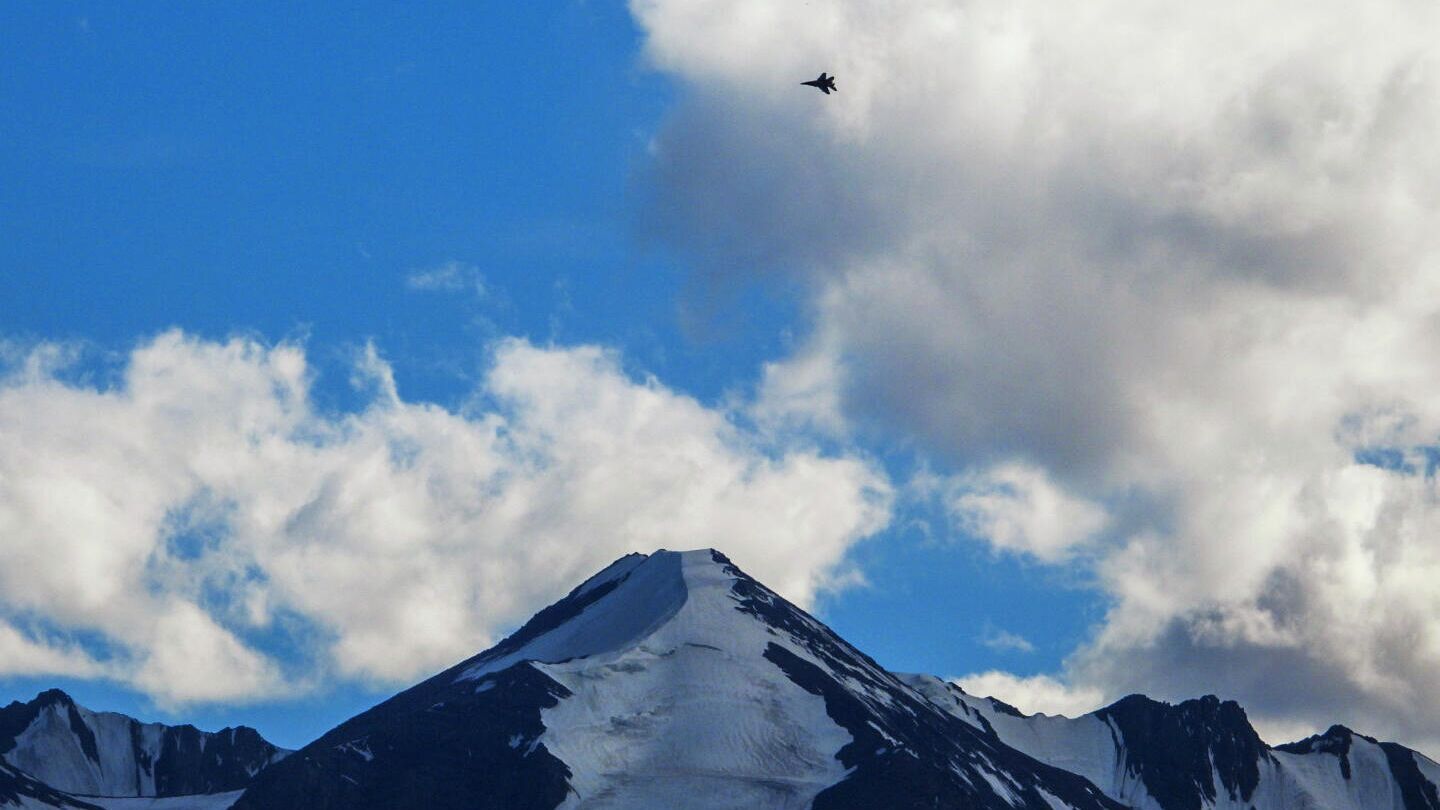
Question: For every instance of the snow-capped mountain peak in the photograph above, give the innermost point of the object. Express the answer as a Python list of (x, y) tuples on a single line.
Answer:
[(674, 679), (73, 749), (667, 680)]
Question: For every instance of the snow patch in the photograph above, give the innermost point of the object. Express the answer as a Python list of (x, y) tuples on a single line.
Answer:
[(360, 748), (208, 801), (651, 592), (1002, 788)]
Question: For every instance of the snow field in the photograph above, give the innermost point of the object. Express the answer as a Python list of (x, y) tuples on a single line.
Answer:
[(637, 731)]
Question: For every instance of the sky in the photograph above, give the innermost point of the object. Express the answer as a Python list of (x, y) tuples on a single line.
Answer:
[(1069, 350)]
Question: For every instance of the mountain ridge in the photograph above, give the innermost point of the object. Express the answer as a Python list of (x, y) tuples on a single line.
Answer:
[(1204, 753), (674, 679), (74, 750), (691, 683)]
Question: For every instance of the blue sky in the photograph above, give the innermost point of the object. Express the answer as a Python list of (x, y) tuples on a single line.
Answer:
[(289, 174), (1069, 354)]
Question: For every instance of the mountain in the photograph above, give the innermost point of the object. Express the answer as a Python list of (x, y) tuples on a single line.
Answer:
[(667, 680), (1203, 754), (674, 680), (71, 749)]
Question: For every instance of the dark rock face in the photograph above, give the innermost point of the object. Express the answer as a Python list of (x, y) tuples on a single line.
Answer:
[(161, 760), (1172, 748), (905, 752), (443, 744), (1417, 792), (194, 761)]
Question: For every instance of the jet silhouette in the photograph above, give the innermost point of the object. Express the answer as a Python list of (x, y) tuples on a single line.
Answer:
[(825, 83)]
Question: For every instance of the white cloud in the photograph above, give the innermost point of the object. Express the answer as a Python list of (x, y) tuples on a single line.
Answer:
[(1179, 260), (1037, 694), (451, 276), (1015, 507), (1005, 641), (190, 657), (801, 392), (200, 505), (25, 655)]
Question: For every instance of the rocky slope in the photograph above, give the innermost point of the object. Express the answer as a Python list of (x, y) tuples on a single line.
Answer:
[(72, 749), (1203, 754)]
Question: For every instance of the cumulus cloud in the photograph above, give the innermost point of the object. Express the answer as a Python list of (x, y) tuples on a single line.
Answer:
[(1177, 262), (1015, 507), (1037, 694), (801, 392), (197, 510)]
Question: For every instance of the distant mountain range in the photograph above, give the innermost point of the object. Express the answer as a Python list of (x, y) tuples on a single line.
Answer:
[(56, 753), (674, 680), (1203, 754)]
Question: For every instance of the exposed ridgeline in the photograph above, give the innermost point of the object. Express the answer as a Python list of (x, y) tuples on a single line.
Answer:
[(1203, 753), (72, 749)]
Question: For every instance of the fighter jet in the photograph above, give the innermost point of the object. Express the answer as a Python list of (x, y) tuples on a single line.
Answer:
[(825, 83)]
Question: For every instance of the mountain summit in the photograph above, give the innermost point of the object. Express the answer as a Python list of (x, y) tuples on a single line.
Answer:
[(674, 680), (666, 680)]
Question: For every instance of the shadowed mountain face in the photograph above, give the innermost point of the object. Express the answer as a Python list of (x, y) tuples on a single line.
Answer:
[(1190, 754), (72, 749), (668, 680), (18, 788)]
